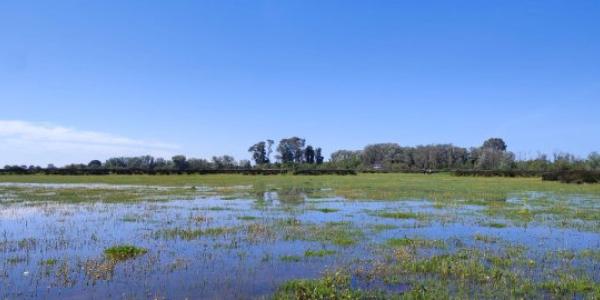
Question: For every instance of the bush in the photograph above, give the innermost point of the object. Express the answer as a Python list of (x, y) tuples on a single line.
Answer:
[(576, 176)]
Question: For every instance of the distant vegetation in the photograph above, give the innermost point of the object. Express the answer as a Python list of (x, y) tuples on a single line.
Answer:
[(293, 154)]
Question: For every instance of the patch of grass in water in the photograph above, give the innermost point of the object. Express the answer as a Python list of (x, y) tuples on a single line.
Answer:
[(400, 215), (48, 262), (15, 260), (416, 243), (593, 254), (247, 218), (290, 258), (337, 233), (494, 225), (193, 233), (131, 218), (336, 286), (327, 210), (217, 208), (124, 252), (382, 227), (568, 285), (218, 230), (485, 238), (318, 253)]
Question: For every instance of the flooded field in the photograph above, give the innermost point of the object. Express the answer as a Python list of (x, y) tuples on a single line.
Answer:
[(289, 237)]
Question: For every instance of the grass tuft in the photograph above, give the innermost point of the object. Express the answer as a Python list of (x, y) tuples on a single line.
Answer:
[(124, 252)]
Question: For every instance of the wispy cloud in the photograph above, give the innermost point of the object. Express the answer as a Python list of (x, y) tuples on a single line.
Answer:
[(26, 142)]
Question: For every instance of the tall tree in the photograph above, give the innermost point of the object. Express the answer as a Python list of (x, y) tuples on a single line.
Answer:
[(291, 150), (309, 155), (269, 150), (224, 162), (95, 164), (496, 144), (180, 162), (259, 153), (319, 156), (593, 161)]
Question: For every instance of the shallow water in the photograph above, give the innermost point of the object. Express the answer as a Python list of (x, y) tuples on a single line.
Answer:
[(54, 250)]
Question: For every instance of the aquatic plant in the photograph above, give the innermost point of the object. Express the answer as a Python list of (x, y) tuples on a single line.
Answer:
[(124, 252)]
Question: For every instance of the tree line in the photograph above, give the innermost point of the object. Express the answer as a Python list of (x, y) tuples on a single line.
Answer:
[(492, 155), (294, 153)]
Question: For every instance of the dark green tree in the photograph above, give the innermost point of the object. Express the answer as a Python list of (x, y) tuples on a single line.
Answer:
[(309, 155), (291, 150), (496, 144), (319, 156), (259, 153), (95, 164), (180, 162)]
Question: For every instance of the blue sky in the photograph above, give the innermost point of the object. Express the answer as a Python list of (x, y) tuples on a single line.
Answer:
[(93, 79)]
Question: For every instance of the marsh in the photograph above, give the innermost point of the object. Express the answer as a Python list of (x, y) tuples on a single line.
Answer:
[(233, 236)]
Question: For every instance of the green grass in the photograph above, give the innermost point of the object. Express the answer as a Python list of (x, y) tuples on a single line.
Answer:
[(332, 287), (318, 253), (49, 262), (337, 233), (416, 243), (290, 258), (363, 186), (400, 215), (377, 228), (189, 234), (124, 252), (494, 225)]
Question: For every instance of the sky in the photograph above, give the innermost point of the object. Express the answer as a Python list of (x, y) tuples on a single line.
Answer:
[(82, 80)]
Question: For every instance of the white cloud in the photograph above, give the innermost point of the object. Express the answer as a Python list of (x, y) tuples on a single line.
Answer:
[(24, 142)]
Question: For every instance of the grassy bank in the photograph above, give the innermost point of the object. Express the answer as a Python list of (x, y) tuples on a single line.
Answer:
[(383, 184)]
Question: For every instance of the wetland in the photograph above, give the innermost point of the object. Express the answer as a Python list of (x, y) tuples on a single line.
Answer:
[(387, 236)]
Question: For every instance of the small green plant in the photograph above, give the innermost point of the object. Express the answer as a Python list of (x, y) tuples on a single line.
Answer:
[(124, 252), (48, 262)]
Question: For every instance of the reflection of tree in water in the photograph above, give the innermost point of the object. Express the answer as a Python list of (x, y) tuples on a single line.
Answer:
[(288, 194), (291, 194)]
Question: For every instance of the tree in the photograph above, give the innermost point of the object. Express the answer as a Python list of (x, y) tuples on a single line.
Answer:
[(378, 155), (269, 149), (95, 164), (244, 164), (309, 155), (198, 164), (496, 144), (593, 161), (224, 162), (319, 156), (180, 162), (259, 153), (493, 155), (291, 150), (346, 159)]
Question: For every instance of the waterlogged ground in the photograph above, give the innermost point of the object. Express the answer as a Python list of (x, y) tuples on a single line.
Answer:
[(311, 238)]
